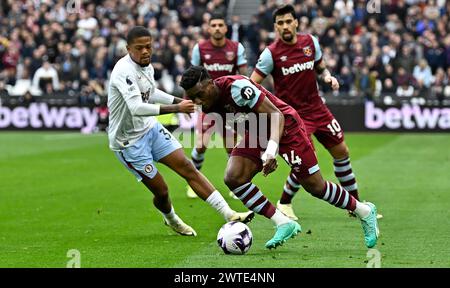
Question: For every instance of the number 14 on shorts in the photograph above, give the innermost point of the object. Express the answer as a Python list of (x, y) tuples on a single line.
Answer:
[(293, 160)]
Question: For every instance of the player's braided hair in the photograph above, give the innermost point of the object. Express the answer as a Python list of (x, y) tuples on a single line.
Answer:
[(192, 76)]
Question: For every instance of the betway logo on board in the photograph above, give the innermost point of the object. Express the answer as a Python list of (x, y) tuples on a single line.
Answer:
[(407, 117), (40, 115), (219, 67), (297, 67)]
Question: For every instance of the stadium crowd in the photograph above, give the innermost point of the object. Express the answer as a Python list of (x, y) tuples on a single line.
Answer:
[(70, 46)]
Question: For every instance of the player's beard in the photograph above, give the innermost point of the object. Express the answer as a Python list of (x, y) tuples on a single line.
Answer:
[(145, 63), (288, 37), (218, 36)]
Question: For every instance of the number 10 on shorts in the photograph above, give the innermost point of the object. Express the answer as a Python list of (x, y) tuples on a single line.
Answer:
[(334, 127)]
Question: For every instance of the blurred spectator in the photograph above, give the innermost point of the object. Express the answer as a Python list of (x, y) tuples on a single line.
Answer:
[(22, 85), (253, 37), (422, 74), (345, 80), (405, 59), (186, 12), (86, 25), (216, 6), (236, 30), (103, 113), (440, 82), (405, 83), (10, 60), (27, 99), (46, 80), (362, 82), (435, 56), (447, 50), (366, 51)]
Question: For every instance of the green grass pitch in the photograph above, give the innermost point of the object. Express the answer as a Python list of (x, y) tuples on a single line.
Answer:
[(62, 191)]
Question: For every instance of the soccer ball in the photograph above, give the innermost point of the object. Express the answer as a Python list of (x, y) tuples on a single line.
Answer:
[(234, 238)]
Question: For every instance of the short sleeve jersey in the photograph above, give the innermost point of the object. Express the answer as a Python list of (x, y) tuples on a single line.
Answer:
[(219, 61), (292, 67)]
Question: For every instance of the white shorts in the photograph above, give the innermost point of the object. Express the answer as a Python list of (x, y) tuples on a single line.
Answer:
[(156, 144)]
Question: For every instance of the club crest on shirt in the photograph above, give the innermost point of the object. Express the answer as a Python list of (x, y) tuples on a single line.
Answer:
[(229, 55), (128, 80), (307, 51), (283, 58), (207, 56), (145, 96), (148, 168)]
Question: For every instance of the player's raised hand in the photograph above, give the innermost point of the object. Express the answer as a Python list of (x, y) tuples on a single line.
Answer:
[(332, 81), (186, 106)]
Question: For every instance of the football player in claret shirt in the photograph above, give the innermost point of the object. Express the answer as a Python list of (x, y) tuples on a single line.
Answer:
[(239, 95), (138, 139), (221, 57), (294, 60)]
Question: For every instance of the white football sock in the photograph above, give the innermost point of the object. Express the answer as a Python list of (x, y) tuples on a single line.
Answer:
[(362, 210), (217, 201), (171, 217), (279, 218)]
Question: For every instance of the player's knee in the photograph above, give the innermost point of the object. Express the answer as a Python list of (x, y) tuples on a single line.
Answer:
[(345, 151), (315, 186), (340, 152), (233, 180), (230, 182)]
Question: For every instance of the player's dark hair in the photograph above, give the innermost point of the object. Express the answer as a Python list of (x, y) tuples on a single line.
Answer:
[(217, 16), (192, 76), (136, 32), (285, 9)]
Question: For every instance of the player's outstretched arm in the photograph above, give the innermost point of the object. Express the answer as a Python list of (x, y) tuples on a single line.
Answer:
[(162, 97), (276, 132), (177, 100), (145, 109), (184, 106), (166, 104)]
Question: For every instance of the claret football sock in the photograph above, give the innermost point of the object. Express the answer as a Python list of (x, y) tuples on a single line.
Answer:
[(336, 195), (290, 188), (254, 199), (344, 173)]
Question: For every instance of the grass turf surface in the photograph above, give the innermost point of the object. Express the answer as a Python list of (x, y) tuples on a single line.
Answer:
[(61, 191)]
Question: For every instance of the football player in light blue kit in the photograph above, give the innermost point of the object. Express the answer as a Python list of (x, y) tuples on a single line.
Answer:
[(138, 139)]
